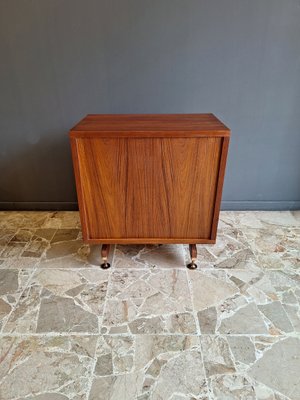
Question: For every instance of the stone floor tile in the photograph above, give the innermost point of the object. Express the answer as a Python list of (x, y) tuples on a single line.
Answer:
[(35, 219), (63, 235), (234, 301), (240, 219), (278, 218), (276, 247), (46, 368), (149, 367), (45, 233), (208, 319), (19, 263), (65, 250), (60, 301), (231, 250), (22, 235), (147, 312), (5, 236), (63, 219), (6, 218), (12, 284), (260, 219), (35, 248), (210, 288), (66, 253), (149, 301), (293, 312), (12, 250), (277, 316), (283, 281), (279, 367), (23, 219), (246, 320), (263, 392), (232, 387), (62, 249), (141, 256), (217, 358), (264, 342), (220, 298), (242, 349), (68, 262), (26, 247)]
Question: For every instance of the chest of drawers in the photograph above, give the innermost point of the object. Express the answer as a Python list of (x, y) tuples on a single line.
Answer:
[(149, 178)]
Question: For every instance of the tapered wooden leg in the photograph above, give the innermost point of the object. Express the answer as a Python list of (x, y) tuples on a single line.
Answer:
[(193, 254), (104, 254)]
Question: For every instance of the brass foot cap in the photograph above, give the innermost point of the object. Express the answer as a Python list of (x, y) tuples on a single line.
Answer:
[(192, 265), (105, 265)]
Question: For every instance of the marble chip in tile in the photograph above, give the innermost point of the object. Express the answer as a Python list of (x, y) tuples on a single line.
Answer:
[(246, 320), (63, 235), (242, 349), (210, 289)]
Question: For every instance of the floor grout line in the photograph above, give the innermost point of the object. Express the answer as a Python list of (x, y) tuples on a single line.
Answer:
[(91, 375)]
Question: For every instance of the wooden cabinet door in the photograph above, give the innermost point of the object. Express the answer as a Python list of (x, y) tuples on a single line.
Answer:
[(147, 190)]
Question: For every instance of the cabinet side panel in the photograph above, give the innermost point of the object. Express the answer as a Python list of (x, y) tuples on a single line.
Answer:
[(219, 189), (81, 202)]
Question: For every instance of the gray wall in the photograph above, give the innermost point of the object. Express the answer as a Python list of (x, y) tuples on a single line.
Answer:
[(62, 59)]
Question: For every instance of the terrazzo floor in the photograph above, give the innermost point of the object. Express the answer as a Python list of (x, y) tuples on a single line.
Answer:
[(148, 328)]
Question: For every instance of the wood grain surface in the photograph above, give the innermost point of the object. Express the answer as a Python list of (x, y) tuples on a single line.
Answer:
[(148, 190), (150, 125)]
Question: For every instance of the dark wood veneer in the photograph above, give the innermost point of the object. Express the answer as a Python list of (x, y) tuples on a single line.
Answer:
[(149, 178)]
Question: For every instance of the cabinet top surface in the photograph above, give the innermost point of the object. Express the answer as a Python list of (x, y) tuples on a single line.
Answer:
[(205, 123)]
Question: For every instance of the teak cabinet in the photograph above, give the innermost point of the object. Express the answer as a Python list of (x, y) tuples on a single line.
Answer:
[(149, 178)]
